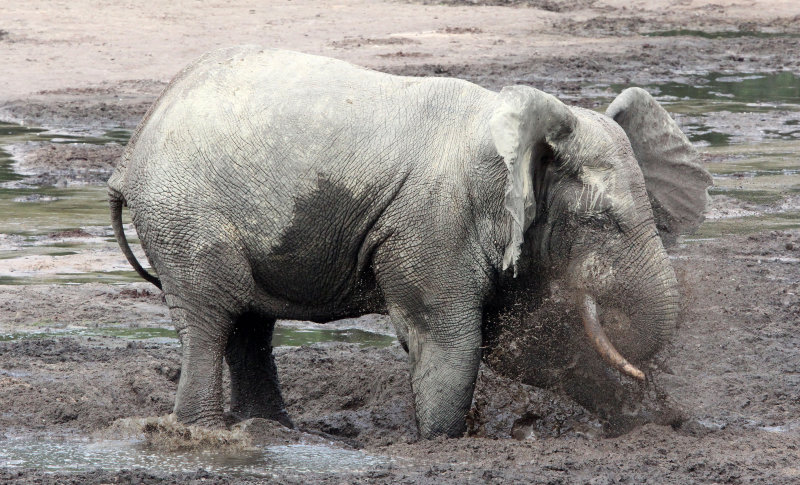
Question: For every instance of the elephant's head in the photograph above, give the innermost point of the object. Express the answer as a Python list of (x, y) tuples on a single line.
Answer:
[(592, 200)]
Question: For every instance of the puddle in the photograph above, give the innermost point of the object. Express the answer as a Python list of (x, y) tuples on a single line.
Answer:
[(745, 225), (72, 455), (730, 90), (64, 209), (720, 107), (282, 337), (11, 133), (16, 133), (293, 337), (764, 173), (781, 429), (765, 178), (38, 221)]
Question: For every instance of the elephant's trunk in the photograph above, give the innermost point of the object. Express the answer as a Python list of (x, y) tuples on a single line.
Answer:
[(637, 306)]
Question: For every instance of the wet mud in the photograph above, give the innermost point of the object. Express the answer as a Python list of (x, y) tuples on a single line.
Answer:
[(81, 363)]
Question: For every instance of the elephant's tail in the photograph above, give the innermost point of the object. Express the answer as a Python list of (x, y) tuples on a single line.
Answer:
[(116, 201)]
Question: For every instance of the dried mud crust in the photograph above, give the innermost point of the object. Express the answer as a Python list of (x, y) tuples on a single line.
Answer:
[(568, 75), (58, 306), (656, 59), (111, 105)]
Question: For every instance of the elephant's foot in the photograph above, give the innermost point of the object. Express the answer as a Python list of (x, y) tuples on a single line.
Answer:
[(244, 413), (443, 382), (205, 420)]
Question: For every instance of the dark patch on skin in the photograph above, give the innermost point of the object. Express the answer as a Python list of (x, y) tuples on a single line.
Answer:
[(320, 255)]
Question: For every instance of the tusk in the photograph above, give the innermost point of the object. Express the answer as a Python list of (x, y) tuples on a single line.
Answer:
[(598, 336)]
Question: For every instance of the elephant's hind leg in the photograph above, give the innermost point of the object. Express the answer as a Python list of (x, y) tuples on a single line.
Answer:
[(203, 334), (255, 390)]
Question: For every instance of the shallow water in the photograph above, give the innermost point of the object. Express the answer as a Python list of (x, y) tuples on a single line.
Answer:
[(718, 91), (283, 336), (746, 225), (73, 455), (707, 99), (55, 222), (763, 175), (759, 173), (53, 209)]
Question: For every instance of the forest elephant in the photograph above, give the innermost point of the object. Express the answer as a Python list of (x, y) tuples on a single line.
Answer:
[(267, 184)]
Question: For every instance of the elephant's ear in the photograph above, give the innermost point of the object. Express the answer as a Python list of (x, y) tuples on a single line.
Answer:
[(524, 125), (676, 182)]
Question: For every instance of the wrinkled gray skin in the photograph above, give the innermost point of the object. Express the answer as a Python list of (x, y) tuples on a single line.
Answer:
[(268, 184)]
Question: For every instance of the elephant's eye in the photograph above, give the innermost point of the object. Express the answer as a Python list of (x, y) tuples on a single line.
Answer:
[(602, 219)]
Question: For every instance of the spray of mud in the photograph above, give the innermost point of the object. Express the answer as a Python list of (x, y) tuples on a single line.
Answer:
[(167, 434), (544, 346)]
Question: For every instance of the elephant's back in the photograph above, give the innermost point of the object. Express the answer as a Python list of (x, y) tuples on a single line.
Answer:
[(247, 114), (249, 89)]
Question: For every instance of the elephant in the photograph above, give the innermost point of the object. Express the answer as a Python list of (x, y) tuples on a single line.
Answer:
[(267, 184)]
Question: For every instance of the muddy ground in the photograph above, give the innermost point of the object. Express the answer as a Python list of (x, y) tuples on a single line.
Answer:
[(733, 368)]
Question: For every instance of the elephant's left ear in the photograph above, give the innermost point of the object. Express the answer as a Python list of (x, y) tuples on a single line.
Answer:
[(676, 182), (525, 125)]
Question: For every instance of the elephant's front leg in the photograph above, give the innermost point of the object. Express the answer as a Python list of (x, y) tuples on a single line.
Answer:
[(444, 352)]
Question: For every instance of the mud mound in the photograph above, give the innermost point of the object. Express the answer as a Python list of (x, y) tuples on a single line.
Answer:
[(78, 384), (266, 432), (341, 392), (63, 164), (111, 106), (361, 396)]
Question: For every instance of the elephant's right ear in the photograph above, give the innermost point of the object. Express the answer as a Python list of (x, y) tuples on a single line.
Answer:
[(676, 183), (524, 126)]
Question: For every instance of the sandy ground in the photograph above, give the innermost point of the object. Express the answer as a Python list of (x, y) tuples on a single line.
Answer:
[(733, 368)]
